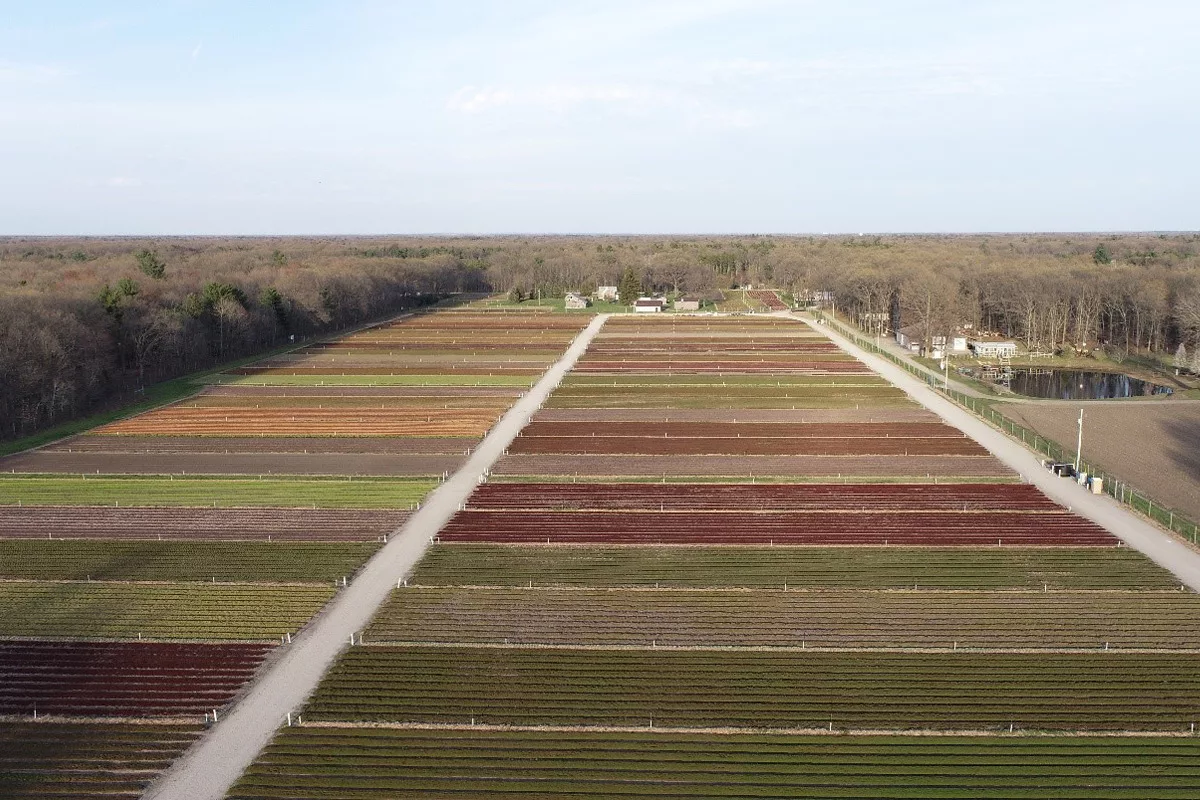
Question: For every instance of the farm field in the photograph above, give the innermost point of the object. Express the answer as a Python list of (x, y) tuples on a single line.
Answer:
[(167, 523), (219, 611), (767, 298), (983, 528), (823, 468), (596, 416), (82, 759), (239, 421), (123, 679), (720, 526), (360, 763), (217, 491), (858, 690), (776, 617), (1155, 446), (150, 567), (716, 396), (237, 464), (340, 380), (237, 445), (1049, 568), (744, 497), (267, 562)]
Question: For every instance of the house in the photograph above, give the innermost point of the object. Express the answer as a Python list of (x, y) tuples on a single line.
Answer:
[(687, 304), (910, 338), (822, 298), (992, 348), (575, 300), (649, 304), (607, 293)]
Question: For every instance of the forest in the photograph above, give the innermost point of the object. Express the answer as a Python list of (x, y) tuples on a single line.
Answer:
[(86, 323)]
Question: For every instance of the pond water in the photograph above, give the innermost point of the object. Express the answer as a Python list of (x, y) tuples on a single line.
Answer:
[(1072, 384)]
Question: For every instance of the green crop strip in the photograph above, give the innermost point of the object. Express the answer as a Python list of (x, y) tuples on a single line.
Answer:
[(157, 611), (360, 763), (800, 567), (81, 560), (218, 491)]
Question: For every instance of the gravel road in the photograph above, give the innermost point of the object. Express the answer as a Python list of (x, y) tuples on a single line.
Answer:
[(1161, 547), (215, 763)]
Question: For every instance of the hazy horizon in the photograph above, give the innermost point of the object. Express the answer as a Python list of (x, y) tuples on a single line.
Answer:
[(621, 118)]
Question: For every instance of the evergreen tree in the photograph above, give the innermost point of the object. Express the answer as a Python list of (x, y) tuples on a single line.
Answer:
[(630, 287), (149, 263), (1101, 255)]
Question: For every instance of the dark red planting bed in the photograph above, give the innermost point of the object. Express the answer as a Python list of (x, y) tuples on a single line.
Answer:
[(940, 528), (759, 497), (123, 679)]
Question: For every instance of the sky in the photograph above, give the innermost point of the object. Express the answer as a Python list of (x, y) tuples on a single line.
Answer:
[(704, 116)]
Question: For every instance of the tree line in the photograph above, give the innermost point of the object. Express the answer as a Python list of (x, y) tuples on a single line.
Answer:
[(84, 322), (90, 322)]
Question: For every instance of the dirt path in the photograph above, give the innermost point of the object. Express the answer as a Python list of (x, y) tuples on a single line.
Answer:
[(1159, 546), (210, 768)]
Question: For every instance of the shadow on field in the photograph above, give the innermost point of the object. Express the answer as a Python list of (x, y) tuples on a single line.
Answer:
[(1183, 442)]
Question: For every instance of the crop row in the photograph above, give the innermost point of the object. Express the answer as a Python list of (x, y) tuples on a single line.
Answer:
[(122, 679), (744, 445), (731, 348), (724, 325), (767, 298), (862, 690), (309, 445), (424, 422), (475, 324), (598, 416), (430, 395), (763, 430), (499, 399), (133, 462), (346, 763), (715, 367), (732, 399), (158, 611), (986, 528), (383, 369), (79, 559), (806, 567), (781, 618), (49, 759), (228, 492), (430, 361), (758, 497), (431, 381), (197, 524), (832, 390), (911, 468)]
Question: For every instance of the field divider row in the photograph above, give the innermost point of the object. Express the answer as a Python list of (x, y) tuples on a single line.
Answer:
[(1017, 733), (802, 648)]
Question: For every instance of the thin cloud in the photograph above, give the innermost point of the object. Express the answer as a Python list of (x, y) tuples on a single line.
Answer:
[(555, 97), (13, 73)]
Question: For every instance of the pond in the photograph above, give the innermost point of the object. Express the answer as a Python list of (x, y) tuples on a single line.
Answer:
[(1073, 384)]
